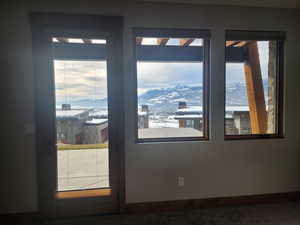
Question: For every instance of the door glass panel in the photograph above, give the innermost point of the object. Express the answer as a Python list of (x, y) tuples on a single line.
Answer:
[(81, 113)]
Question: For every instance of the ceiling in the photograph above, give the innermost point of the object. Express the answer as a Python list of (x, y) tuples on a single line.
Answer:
[(256, 3)]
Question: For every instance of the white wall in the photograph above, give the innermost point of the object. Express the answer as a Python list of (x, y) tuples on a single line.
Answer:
[(211, 168)]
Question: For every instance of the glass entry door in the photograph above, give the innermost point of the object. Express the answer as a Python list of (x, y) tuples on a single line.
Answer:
[(78, 69)]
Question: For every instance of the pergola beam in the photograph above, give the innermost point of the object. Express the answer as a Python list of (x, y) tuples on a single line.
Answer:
[(62, 40), (241, 44), (237, 43), (230, 43), (87, 41), (162, 41), (186, 42), (139, 40), (255, 90)]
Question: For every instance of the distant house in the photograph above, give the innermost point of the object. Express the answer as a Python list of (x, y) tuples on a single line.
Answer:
[(95, 131), (143, 117), (189, 116), (77, 126), (69, 125), (237, 119)]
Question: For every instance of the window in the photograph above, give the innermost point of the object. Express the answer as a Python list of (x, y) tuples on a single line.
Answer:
[(254, 67), (172, 84)]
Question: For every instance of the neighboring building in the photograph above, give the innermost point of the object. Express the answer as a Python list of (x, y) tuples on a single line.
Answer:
[(76, 126), (189, 117), (69, 125), (143, 117), (237, 119), (95, 131)]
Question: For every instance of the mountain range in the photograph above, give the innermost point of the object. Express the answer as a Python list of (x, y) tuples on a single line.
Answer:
[(165, 100)]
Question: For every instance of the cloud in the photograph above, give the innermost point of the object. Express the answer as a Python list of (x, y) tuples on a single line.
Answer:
[(162, 75), (80, 79)]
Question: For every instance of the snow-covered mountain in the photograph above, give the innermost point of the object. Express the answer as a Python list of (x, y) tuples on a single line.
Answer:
[(165, 100)]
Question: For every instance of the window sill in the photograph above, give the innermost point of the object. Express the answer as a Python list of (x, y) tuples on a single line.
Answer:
[(169, 140), (253, 137), (103, 192)]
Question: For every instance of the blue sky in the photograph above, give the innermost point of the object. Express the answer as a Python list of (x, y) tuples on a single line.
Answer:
[(88, 79)]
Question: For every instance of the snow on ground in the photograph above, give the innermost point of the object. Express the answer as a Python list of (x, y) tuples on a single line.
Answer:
[(98, 113), (68, 113), (163, 122)]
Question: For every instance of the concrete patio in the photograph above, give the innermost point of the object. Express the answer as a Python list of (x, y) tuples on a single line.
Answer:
[(82, 169)]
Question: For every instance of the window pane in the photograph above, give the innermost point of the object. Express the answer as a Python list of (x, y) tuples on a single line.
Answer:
[(251, 87), (81, 120), (170, 88)]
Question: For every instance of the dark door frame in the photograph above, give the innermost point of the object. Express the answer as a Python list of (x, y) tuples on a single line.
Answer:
[(44, 26)]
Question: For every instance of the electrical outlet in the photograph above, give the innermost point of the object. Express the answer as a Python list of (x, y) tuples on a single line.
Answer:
[(180, 181)]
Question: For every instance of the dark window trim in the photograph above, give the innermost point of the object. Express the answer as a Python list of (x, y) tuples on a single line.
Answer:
[(253, 136), (263, 36), (170, 139), (176, 33), (171, 32), (255, 35)]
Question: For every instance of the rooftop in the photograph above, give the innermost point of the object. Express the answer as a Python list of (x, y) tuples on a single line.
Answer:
[(98, 113), (196, 110), (96, 121), (73, 113)]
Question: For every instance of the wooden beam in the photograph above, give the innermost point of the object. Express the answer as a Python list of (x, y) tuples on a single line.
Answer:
[(241, 43), (186, 42), (87, 41), (230, 43), (139, 40), (236, 43), (62, 40), (255, 91), (162, 41)]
